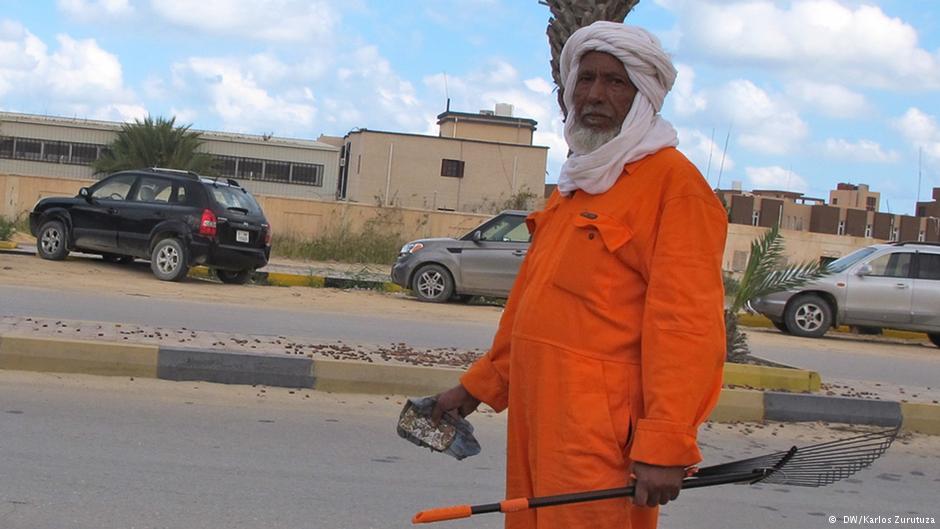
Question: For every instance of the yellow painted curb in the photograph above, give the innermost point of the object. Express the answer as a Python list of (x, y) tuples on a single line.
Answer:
[(342, 376), (738, 405), (918, 417), (199, 271), (295, 280), (753, 320), (78, 356), (7, 245), (773, 378)]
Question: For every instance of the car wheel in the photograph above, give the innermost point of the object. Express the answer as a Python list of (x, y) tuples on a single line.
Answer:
[(935, 338), (433, 283), (52, 242), (808, 315), (781, 326), (168, 261), (230, 277)]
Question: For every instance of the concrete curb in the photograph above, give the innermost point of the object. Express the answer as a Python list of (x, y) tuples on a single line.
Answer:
[(168, 363), (772, 378)]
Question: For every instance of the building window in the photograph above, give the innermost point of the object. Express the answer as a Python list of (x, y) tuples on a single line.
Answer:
[(868, 230), (755, 218), (870, 203), (307, 174), (922, 211), (227, 166), (894, 234), (835, 201), (453, 168), (28, 149), (84, 153), (277, 171), (921, 237), (250, 168), (56, 151), (841, 230), (739, 261), (6, 147)]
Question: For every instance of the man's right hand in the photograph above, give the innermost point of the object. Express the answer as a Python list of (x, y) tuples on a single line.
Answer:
[(456, 399)]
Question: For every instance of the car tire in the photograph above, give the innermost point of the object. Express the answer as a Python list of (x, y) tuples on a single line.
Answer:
[(168, 260), (809, 316), (935, 338), (234, 277), (433, 283), (52, 242), (781, 326)]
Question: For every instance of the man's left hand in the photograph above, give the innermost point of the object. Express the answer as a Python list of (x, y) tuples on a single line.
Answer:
[(656, 485)]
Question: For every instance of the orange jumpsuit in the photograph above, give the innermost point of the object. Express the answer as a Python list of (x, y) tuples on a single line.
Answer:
[(611, 345)]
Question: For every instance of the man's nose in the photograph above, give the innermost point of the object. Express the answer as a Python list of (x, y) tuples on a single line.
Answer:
[(596, 91)]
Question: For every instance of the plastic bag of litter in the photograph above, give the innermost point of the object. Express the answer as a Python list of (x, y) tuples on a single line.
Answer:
[(452, 436)]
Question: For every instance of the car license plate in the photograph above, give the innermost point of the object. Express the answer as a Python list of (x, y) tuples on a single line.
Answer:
[(241, 235)]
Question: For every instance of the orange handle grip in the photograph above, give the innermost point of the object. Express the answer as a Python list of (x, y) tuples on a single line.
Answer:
[(517, 504), (441, 514)]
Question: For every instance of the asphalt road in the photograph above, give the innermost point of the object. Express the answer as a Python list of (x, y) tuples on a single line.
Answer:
[(82, 452), (269, 321)]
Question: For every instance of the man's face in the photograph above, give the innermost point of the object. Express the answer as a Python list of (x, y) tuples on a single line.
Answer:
[(603, 96)]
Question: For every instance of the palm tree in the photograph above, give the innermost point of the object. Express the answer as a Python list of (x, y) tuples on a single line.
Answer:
[(767, 272), (155, 143), (569, 16)]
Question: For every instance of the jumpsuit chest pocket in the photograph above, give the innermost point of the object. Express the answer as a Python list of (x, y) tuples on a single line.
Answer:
[(589, 266)]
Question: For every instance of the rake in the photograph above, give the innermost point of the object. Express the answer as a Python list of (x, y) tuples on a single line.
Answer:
[(809, 466)]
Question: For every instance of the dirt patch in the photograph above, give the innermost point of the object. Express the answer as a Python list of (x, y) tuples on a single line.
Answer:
[(92, 275)]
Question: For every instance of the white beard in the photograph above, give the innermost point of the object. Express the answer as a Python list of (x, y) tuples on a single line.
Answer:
[(584, 140)]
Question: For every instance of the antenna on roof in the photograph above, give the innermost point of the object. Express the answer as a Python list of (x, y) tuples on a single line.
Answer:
[(446, 92), (721, 166), (920, 168)]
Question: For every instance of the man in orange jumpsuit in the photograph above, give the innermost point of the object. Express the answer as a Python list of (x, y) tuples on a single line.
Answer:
[(609, 352)]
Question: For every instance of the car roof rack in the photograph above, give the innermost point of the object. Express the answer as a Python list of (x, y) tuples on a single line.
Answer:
[(177, 171), (924, 243)]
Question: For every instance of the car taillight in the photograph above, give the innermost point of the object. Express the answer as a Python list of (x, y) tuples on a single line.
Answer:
[(268, 235), (207, 224)]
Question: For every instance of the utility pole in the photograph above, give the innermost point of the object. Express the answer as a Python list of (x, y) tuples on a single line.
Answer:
[(721, 166)]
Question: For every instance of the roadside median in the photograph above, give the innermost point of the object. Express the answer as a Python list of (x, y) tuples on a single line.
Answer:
[(350, 376)]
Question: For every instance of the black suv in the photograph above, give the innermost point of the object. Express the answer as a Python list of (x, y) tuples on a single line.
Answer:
[(175, 219)]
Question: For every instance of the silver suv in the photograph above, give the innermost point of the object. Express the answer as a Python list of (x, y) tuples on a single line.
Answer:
[(483, 262), (895, 285)]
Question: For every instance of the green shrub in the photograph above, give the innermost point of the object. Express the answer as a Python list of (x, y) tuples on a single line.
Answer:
[(7, 228)]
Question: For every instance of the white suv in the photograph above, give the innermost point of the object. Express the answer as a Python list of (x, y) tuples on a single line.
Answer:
[(895, 285)]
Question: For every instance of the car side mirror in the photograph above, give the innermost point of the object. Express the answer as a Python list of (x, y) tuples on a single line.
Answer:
[(477, 236), (863, 270), (85, 193)]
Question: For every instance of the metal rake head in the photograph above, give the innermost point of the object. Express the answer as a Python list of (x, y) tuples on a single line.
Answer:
[(815, 465)]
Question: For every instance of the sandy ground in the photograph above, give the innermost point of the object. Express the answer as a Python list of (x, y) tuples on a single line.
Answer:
[(91, 274)]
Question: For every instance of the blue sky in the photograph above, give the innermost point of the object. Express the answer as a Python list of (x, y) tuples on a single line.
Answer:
[(808, 93)]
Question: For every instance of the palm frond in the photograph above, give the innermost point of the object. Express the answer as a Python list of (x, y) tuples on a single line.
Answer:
[(155, 143)]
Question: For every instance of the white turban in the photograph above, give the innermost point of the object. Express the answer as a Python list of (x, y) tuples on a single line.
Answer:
[(643, 131)]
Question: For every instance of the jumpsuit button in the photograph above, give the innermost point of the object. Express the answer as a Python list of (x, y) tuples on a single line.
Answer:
[(591, 236), (589, 215)]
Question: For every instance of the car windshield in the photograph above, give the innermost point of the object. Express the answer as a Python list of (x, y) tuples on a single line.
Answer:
[(841, 264), (235, 199)]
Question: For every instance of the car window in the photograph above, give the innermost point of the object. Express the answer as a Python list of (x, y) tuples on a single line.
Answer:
[(841, 264), (153, 189), (114, 188), (897, 264), (508, 228), (235, 198), (929, 266)]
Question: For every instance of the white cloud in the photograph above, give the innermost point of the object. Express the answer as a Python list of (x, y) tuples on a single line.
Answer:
[(777, 178), (270, 20), (91, 10), (77, 78), (761, 122), (921, 130), (860, 151), (822, 38), (539, 86), (831, 100), (705, 153), (235, 94), (685, 99)]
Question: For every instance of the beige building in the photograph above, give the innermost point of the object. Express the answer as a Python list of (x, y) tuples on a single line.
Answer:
[(477, 163), (855, 196), (33, 145)]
